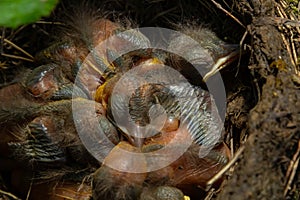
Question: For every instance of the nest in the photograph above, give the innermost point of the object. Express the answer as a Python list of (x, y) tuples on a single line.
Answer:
[(262, 121)]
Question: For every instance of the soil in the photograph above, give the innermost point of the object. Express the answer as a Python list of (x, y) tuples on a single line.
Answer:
[(263, 87), (273, 122)]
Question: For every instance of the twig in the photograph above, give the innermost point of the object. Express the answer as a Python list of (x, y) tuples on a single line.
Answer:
[(29, 190), (2, 41), (291, 177), (9, 194), (288, 49), (295, 155), (64, 197), (16, 32), (51, 23), (228, 13), (86, 178), (291, 171), (289, 20), (220, 64), (17, 47), (224, 169), (294, 52), (210, 194), (240, 56), (17, 57), (231, 143), (283, 17)]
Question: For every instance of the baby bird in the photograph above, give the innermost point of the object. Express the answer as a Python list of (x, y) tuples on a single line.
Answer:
[(42, 131)]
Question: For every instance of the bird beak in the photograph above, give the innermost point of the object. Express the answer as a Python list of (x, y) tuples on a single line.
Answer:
[(136, 141), (136, 138), (222, 62)]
